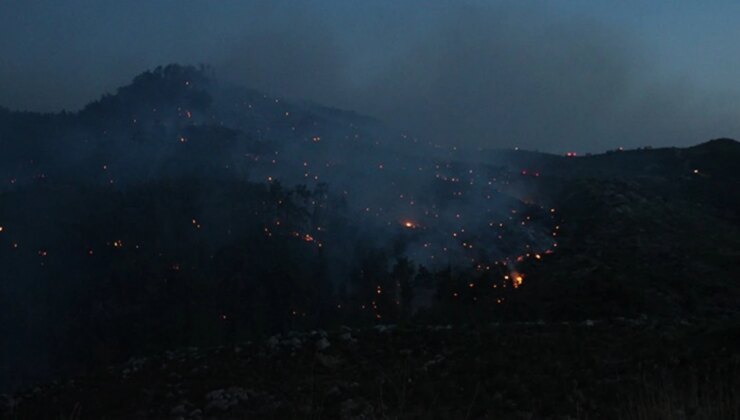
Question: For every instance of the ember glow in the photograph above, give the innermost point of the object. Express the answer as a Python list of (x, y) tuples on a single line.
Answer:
[(517, 279)]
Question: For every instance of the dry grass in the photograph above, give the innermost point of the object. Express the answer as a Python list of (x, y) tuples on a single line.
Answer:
[(712, 394)]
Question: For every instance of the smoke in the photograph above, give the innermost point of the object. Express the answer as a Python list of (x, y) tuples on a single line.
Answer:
[(469, 73), (476, 75)]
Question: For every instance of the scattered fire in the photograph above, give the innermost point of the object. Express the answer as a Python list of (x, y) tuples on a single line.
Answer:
[(517, 279)]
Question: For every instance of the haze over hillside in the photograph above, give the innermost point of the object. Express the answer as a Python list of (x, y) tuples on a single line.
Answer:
[(426, 209), (552, 76), (182, 211)]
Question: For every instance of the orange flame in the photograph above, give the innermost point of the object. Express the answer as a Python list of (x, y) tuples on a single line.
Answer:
[(517, 279)]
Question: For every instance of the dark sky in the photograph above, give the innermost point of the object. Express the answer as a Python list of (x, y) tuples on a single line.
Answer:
[(587, 75)]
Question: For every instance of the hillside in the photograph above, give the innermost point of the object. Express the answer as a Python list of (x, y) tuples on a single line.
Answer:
[(179, 212)]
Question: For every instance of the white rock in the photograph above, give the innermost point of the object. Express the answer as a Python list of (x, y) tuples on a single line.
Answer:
[(273, 342), (322, 344)]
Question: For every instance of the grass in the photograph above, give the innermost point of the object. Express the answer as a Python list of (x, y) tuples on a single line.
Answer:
[(709, 394), (556, 371)]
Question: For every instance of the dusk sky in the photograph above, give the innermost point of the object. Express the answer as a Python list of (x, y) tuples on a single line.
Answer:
[(586, 75)]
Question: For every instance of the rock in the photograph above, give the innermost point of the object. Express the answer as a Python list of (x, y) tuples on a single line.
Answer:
[(322, 344), (294, 342), (8, 402), (273, 342), (328, 361), (178, 410), (381, 328), (225, 399), (356, 410), (435, 361), (334, 392)]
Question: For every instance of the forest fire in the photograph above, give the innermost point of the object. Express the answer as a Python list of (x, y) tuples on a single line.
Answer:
[(236, 223), (517, 279), (308, 238)]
